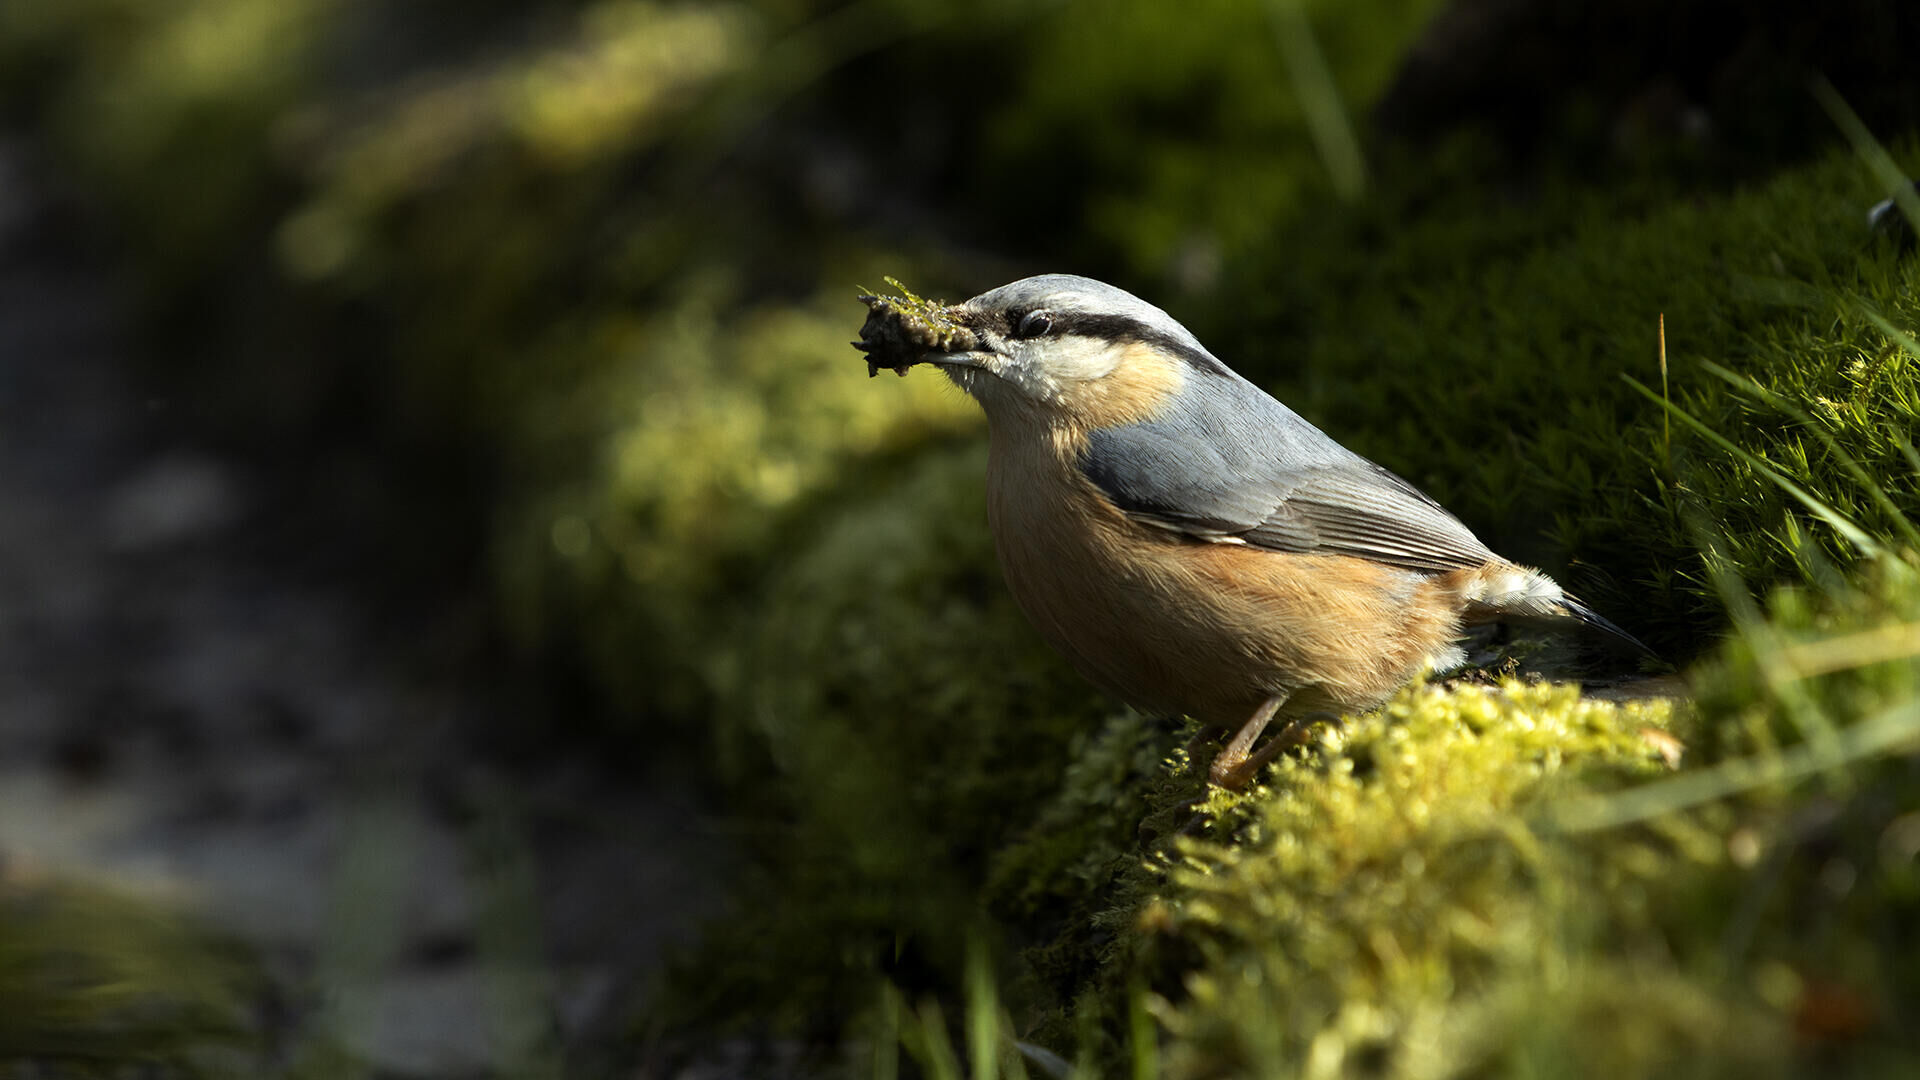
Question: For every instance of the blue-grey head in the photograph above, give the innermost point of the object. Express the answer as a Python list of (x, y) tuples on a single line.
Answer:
[(1063, 347)]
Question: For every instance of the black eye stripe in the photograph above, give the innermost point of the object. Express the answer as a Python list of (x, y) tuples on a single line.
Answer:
[(1123, 328)]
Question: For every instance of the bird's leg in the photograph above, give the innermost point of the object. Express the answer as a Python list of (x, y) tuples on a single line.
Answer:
[(1201, 738), (1235, 765)]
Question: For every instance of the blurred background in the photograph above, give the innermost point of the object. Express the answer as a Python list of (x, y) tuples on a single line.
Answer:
[(465, 611)]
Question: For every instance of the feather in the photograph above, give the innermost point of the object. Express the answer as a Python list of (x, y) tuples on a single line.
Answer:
[(1225, 459)]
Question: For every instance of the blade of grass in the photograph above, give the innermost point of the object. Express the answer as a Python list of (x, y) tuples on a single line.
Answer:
[(1866, 544), (1087, 1031), (1906, 448), (925, 1036), (1900, 337), (1878, 734), (1145, 1048), (1783, 666), (1666, 424), (1884, 170), (1782, 682), (1873, 488), (983, 1016), (1895, 641), (887, 1035), (1319, 98)]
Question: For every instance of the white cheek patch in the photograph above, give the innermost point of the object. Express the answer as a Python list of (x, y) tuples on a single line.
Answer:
[(1073, 358), (1045, 368)]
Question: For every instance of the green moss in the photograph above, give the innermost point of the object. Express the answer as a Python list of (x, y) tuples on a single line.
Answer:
[(901, 329), (1382, 894), (906, 714), (709, 476), (162, 112), (92, 982)]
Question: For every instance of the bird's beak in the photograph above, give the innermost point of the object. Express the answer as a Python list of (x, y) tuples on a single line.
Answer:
[(970, 349), (901, 333)]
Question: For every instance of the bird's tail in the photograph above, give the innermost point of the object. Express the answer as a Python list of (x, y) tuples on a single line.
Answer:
[(1579, 610), (1505, 602)]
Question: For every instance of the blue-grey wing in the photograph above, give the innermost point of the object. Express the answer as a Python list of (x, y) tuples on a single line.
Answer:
[(1229, 462)]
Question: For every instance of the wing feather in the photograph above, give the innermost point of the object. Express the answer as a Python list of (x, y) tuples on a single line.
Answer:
[(1229, 462)]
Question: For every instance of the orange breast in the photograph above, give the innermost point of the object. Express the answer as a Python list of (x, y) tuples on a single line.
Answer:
[(1175, 625)]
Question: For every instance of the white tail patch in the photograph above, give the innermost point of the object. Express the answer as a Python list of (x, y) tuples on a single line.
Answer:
[(1505, 587), (1447, 660)]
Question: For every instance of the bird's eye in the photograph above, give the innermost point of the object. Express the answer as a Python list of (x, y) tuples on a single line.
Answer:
[(1035, 324)]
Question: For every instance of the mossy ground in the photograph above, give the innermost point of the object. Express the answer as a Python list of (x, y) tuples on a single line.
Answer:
[(607, 262), (94, 981), (1407, 900)]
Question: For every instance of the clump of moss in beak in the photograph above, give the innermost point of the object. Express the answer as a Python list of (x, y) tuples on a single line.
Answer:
[(901, 330)]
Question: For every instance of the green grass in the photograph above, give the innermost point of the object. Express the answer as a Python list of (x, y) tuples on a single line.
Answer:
[(94, 981)]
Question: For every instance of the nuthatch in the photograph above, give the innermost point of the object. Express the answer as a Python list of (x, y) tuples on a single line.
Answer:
[(1188, 542)]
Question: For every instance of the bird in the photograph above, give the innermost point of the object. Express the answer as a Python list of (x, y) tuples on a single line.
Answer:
[(1187, 542)]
